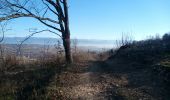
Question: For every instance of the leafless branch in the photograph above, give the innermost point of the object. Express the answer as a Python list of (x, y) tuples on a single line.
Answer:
[(19, 49), (50, 8), (3, 30), (28, 13), (17, 15)]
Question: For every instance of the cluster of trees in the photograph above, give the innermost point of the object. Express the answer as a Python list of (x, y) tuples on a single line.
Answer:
[(57, 23), (166, 37)]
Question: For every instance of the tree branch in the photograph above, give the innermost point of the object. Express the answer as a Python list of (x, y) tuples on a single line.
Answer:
[(17, 15), (50, 8), (19, 49), (30, 14)]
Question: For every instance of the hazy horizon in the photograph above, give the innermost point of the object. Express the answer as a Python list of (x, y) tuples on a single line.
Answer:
[(88, 43)]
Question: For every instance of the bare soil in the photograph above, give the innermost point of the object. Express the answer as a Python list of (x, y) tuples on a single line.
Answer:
[(114, 79)]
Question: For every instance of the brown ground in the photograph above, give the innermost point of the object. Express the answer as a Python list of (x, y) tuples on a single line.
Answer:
[(108, 80), (115, 79)]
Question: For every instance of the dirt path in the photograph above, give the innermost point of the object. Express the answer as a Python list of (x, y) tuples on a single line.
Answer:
[(97, 81), (79, 82)]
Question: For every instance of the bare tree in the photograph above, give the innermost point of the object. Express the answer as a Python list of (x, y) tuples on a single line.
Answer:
[(58, 48), (1, 48), (75, 44), (3, 29), (51, 13), (126, 39)]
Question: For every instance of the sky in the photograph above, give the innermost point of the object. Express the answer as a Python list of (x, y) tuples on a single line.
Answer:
[(107, 19)]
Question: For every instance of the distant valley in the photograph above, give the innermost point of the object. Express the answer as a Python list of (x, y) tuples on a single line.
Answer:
[(89, 43)]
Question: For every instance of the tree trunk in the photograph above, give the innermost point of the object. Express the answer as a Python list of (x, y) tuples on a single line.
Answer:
[(67, 48), (66, 35)]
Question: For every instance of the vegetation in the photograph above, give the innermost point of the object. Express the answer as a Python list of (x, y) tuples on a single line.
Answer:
[(137, 70)]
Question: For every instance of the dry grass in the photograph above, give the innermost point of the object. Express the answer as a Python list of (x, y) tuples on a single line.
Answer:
[(80, 56), (27, 78)]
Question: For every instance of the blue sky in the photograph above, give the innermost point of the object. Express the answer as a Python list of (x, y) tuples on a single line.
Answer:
[(107, 19)]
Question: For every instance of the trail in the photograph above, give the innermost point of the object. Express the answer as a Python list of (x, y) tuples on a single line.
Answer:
[(105, 81), (80, 82)]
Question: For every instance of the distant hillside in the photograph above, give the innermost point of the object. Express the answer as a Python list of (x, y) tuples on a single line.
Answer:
[(52, 41)]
